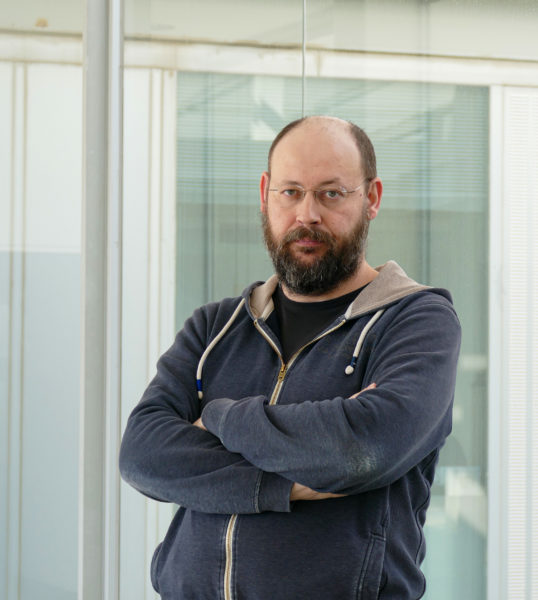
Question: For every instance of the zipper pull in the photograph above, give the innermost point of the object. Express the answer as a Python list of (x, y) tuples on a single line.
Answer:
[(281, 373)]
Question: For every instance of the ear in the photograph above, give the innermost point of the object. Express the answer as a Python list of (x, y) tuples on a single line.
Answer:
[(264, 191), (375, 191)]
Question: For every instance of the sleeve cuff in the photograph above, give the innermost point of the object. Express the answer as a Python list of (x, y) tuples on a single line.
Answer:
[(273, 493), (214, 414)]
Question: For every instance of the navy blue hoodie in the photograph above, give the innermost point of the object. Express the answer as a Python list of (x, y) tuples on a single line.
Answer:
[(236, 535)]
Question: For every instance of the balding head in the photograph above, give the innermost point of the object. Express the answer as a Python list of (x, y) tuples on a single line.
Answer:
[(339, 127)]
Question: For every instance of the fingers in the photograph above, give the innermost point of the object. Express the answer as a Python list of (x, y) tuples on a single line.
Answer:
[(301, 492), (370, 387), (198, 423)]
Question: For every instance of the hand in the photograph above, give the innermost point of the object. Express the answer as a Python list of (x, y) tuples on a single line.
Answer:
[(301, 492), (370, 387), (198, 423)]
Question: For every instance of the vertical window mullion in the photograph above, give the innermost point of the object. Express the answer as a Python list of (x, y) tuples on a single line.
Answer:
[(114, 300), (496, 560), (101, 302)]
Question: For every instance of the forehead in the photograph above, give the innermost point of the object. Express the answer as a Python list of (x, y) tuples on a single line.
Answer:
[(317, 150)]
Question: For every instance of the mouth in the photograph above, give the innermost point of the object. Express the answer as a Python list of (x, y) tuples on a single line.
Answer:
[(308, 243), (307, 247), (304, 241)]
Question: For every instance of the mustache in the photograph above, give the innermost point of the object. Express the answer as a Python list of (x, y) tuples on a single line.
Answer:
[(305, 232)]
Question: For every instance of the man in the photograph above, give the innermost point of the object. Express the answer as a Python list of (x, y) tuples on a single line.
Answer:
[(298, 427)]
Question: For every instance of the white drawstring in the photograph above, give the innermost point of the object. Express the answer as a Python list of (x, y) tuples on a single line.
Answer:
[(351, 367), (348, 371), (213, 343)]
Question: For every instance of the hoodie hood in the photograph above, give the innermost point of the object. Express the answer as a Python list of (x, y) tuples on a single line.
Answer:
[(392, 284)]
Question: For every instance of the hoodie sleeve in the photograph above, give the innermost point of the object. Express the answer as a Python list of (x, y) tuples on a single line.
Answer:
[(351, 445), (165, 457)]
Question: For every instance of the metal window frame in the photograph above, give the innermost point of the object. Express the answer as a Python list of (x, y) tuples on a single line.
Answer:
[(101, 267), (496, 565)]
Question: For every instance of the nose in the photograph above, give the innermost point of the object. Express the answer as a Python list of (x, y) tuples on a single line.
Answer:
[(308, 210)]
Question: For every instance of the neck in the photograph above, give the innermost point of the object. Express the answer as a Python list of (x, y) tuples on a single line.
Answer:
[(363, 275)]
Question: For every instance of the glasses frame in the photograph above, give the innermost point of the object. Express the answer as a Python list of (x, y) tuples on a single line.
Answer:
[(316, 192)]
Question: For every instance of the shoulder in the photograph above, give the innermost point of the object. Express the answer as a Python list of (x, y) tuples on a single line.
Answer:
[(214, 314), (429, 311), (438, 300)]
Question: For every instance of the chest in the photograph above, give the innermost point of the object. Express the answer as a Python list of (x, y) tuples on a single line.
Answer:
[(247, 363)]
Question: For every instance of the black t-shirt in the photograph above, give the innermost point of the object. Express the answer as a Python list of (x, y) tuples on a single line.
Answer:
[(300, 322)]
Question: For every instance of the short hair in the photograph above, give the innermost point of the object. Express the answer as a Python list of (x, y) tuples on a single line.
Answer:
[(363, 142)]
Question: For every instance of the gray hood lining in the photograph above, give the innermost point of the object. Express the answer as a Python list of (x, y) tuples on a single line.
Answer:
[(390, 285)]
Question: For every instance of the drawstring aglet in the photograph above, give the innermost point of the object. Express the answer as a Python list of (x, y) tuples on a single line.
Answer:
[(351, 367)]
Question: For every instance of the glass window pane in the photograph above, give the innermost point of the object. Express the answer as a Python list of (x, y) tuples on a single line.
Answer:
[(40, 202), (42, 16), (278, 22), (470, 28)]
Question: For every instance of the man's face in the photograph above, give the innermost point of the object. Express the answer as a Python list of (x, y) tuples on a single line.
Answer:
[(315, 247)]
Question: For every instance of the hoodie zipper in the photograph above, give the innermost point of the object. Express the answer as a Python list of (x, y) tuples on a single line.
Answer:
[(284, 367), (229, 558)]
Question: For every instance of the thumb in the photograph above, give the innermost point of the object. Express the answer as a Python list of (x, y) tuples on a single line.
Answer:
[(370, 387)]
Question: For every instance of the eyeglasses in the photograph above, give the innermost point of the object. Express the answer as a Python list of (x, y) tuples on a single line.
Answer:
[(330, 197)]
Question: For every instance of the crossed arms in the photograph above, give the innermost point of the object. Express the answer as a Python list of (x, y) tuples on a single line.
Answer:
[(299, 491), (244, 456)]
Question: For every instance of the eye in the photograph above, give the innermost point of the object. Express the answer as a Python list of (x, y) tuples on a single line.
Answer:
[(290, 193), (331, 195)]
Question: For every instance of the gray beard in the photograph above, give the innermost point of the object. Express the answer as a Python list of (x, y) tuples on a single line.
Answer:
[(338, 264)]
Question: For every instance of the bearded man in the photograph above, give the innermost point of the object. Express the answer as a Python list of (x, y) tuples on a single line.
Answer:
[(298, 426)]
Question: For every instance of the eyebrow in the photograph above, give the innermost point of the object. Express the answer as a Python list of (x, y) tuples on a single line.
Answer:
[(326, 182)]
